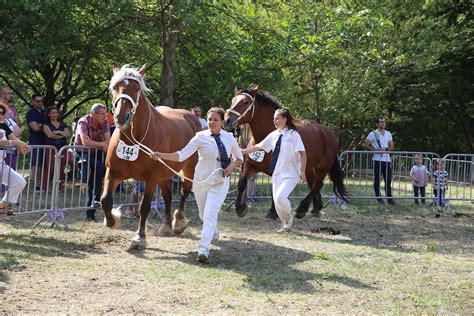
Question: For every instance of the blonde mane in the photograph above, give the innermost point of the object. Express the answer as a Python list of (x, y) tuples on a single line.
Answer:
[(127, 72)]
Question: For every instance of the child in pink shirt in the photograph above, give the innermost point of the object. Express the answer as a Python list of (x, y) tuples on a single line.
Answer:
[(419, 175)]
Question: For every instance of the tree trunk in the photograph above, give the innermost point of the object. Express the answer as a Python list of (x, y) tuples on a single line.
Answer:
[(170, 30)]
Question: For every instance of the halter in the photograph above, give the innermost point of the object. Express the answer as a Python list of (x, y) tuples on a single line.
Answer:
[(250, 107), (129, 98)]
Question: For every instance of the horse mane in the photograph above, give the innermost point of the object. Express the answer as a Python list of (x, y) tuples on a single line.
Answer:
[(266, 99), (128, 72), (263, 97)]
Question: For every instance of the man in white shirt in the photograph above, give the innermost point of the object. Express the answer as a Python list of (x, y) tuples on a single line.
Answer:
[(196, 110), (381, 140)]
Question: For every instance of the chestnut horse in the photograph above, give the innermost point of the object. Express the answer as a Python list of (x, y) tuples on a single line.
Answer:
[(141, 126), (257, 108)]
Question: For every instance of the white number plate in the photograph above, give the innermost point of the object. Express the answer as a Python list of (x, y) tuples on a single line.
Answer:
[(127, 152), (257, 155)]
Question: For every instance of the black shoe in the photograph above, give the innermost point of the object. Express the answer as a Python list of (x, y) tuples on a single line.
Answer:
[(95, 204), (92, 219), (392, 202), (381, 202)]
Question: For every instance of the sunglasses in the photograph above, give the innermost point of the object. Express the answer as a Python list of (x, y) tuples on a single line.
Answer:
[(2, 113)]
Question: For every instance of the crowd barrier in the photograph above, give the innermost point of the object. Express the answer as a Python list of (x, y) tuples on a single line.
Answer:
[(56, 181)]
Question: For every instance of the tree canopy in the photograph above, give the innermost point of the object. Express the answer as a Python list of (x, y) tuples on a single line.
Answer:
[(342, 63)]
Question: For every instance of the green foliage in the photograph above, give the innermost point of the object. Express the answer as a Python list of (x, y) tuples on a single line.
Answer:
[(342, 63)]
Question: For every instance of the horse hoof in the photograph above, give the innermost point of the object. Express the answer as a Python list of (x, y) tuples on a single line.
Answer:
[(241, 209), (271, 215), (179, 223), (117, 219), (137, 243), (164, 230), (300, 215)]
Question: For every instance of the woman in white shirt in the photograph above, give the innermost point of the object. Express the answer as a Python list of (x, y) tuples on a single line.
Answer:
[(9, 176), (288, 163), (211, 177)]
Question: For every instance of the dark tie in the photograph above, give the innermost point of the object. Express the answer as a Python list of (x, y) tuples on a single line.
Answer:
[(225, 160), (275, 154)]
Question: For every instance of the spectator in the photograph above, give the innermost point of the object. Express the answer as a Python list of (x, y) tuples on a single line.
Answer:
[(196, 110), (36, 118), (135, 197), (419, 175), (10, 177), (213, 146), (57, 134), (287, 165), (7, 99), (439, 182), (12, 119), (381, 140), (93, 131), (252, 187), (111, 121)]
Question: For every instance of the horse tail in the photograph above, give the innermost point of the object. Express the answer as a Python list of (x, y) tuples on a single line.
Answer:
[(337, 178)]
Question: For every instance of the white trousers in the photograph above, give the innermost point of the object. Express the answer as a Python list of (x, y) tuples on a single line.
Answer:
[(209, 200), (14, 181), (281, 189)]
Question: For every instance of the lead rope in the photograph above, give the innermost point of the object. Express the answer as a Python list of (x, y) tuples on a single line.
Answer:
[(149, 152)]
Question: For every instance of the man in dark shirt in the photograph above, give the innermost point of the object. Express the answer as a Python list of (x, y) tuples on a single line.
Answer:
[(93, 130), (35, 119)]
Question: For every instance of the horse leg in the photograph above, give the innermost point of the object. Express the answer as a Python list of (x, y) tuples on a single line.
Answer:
[(180, 223), (113, 217), (302, 208), (317, 204), (139, 241), (241, 200), (166, 193)]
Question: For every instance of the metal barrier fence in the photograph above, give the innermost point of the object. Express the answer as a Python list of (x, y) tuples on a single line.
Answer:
[(60, 181)]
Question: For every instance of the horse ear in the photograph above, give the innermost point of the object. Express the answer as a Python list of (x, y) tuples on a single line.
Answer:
[(143, 69), (115, 67)]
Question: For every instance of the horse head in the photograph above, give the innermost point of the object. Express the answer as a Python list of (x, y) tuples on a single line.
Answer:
[(242, 108), (127, 85)]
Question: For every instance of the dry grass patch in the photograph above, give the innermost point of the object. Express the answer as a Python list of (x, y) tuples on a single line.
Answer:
[(384, 260)]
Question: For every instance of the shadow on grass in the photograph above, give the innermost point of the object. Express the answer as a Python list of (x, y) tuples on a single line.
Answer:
[(16, 248), (265, 267), (402, 228)]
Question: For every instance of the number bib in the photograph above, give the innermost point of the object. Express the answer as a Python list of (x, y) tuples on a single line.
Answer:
[(127, 152), (257, 155)]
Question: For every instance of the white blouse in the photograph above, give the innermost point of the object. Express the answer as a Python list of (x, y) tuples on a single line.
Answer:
[(209, 159), (289, 159)]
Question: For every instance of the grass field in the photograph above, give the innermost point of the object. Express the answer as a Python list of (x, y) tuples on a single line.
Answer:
[(395, 260)]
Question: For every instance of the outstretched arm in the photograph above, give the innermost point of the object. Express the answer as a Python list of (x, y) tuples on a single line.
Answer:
[(166, 156)]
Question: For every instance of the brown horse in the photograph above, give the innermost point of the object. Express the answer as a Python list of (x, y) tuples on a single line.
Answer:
[(256, 108), (149, 129)]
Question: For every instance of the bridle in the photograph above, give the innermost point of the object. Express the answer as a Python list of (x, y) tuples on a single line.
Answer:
[(132, 112), (250, 107), (128, 97)]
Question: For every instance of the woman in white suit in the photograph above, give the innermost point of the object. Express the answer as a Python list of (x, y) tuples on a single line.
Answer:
[(211, 177), (288, 163)]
